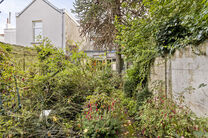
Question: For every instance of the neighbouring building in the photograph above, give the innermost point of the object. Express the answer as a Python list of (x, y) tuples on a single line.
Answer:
[(1, 37), (101, 55), (41, 18), (9, 32)]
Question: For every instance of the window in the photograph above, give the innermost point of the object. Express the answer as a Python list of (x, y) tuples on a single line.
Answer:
[(37, 31)]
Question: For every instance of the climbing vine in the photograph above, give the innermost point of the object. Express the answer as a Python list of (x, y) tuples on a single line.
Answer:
[(165, 26)]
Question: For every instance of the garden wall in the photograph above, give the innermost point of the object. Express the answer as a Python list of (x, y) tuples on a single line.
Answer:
[(184, 74)]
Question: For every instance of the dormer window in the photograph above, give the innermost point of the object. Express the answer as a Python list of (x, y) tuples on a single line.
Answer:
[(37, 31)]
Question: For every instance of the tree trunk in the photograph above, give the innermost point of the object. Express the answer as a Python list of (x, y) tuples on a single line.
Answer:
[(118, 60), (118, 47)]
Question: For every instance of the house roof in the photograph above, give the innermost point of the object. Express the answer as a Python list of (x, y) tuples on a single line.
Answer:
[(51, 5), (46, 1)]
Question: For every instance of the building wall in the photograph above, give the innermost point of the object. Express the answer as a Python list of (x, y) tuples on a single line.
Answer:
[(1, 38), (72, 34), (10, 36), (51, 19), (185, 74)]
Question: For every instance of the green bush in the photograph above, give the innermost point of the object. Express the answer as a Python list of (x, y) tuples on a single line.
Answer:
[(101, 117), (142, 96), (128, 103), (9, 92), (130, 87), (161, 117), (55, 82), (136, 78)]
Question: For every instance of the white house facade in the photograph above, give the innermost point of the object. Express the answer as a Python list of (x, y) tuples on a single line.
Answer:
[(10, 35), (41, 18)]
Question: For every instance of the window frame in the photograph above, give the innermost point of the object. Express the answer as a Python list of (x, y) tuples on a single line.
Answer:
[(34, 28)]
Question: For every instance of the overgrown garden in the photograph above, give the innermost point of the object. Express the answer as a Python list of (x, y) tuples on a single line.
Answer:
[(62, 95)]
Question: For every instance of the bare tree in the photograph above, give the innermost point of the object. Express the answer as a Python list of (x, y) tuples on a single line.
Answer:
[(1, 1), (97, 18)]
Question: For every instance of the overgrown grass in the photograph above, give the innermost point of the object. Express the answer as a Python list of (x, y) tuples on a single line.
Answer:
[(23, 57)]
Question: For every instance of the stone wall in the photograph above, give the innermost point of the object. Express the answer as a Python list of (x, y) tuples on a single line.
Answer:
[(185, 74)]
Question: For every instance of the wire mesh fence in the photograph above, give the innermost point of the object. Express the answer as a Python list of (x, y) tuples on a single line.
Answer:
[(25, 57)]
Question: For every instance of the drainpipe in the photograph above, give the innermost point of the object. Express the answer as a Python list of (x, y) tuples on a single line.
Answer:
[(63, 30)]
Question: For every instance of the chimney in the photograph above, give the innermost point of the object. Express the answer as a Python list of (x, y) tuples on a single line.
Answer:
[(8, 24), (10, 17)]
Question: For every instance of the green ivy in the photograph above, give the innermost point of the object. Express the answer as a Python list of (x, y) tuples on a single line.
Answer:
[(166, 26)]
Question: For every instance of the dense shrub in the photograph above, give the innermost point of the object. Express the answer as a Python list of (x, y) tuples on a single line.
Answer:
[(7, 72), (130, 87), (161, 117), (101, 117), (142, 96), (130, 105), (9, 91), (53, 92)]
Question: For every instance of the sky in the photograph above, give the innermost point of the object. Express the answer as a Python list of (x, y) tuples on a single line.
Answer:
[(14, 6)]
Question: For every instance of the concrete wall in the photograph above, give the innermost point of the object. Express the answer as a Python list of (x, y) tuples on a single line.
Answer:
[(51, 19), (185, 73), (10, 36)]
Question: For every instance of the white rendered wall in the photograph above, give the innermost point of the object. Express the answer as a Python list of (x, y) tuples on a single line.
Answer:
[(10, 36), (1, 38), (72, 34), (51, 19)]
